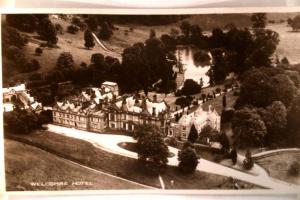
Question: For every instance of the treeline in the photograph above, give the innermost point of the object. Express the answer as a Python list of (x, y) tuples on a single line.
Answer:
[(137, 19), (233, 49)]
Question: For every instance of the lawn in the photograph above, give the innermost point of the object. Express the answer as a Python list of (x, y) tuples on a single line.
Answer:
[(217, 103), (85, 153), (25, 164), (278, 166)]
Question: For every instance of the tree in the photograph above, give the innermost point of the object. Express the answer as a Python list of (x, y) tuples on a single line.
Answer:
[(89, 39), (293, 121), (152, 34), (285, 89), (23, 22), (264, 45), (12, 37), (248, 161), (248, 128), (233, 155), (151, 148), (190, 87), (201, 58), (188, 160), (92, 22), (185, 28), (275, 119), (224, 142), (295, 24), (47, 31), (259, 20), (219, 70), (38, 51), (193, 135), (196, 34), (224, 101), (105, 31), (21, 121), (65, 61), (257, 89), (183, 101), (174, 33), (294, 76)]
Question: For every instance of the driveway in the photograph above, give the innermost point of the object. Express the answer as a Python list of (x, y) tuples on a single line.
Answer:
[(109, 142)]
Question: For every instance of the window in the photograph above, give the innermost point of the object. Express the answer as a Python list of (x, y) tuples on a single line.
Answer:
[(124, 116), (124, 125), (112, 117), (113, 125)]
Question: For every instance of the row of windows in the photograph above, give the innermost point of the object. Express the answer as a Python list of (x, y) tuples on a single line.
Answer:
[(76, 117)]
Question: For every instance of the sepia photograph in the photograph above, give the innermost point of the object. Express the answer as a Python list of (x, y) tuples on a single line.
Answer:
[(151, 102)]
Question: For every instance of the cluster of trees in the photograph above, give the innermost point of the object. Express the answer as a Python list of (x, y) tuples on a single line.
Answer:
[(294, 23), (153, 152), (268, 110), (34, 22), (234, 50), (20, 121), (133, 19), (146, 64), (190, 87)]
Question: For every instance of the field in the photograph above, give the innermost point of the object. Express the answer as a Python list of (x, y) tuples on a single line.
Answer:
[(25, 164), (86, 154), (278, 165), (288, 45)]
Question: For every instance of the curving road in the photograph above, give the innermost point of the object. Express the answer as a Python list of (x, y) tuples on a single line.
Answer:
[(109, 142)]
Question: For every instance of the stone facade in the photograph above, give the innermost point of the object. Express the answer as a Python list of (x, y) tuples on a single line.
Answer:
[(95, 109), (199, 118), (19, 95), (131, 111)]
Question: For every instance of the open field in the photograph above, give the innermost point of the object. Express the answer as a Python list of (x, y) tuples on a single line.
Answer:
[(278, 166), (288, 39), (86, 154), (25, 165)]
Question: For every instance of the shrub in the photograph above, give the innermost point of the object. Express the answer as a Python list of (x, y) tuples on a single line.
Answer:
[(83, 64), (188, 160), (59, 28), (294, 169), (248, 161), (33, 65), (73, 29), (38, 51), (218, 90), (183, 101)]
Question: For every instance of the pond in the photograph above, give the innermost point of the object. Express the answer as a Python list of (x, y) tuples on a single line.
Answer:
[(193, 70)]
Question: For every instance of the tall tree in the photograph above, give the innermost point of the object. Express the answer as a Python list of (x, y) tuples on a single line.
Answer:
[(275, 119), (259, 20), (152, 149), (185, 28), (89, 39), (294, 121), (188, 159), (65, 61), (47, 31), (248, 128), (193, 135), (105, 32)]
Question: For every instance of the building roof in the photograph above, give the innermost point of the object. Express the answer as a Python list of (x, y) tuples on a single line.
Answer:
[(198, 117), (136, 106), (17, 88), (109, 83)]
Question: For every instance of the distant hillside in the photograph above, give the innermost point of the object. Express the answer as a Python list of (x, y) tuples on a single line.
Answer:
[(279, 16), (211, 21)]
